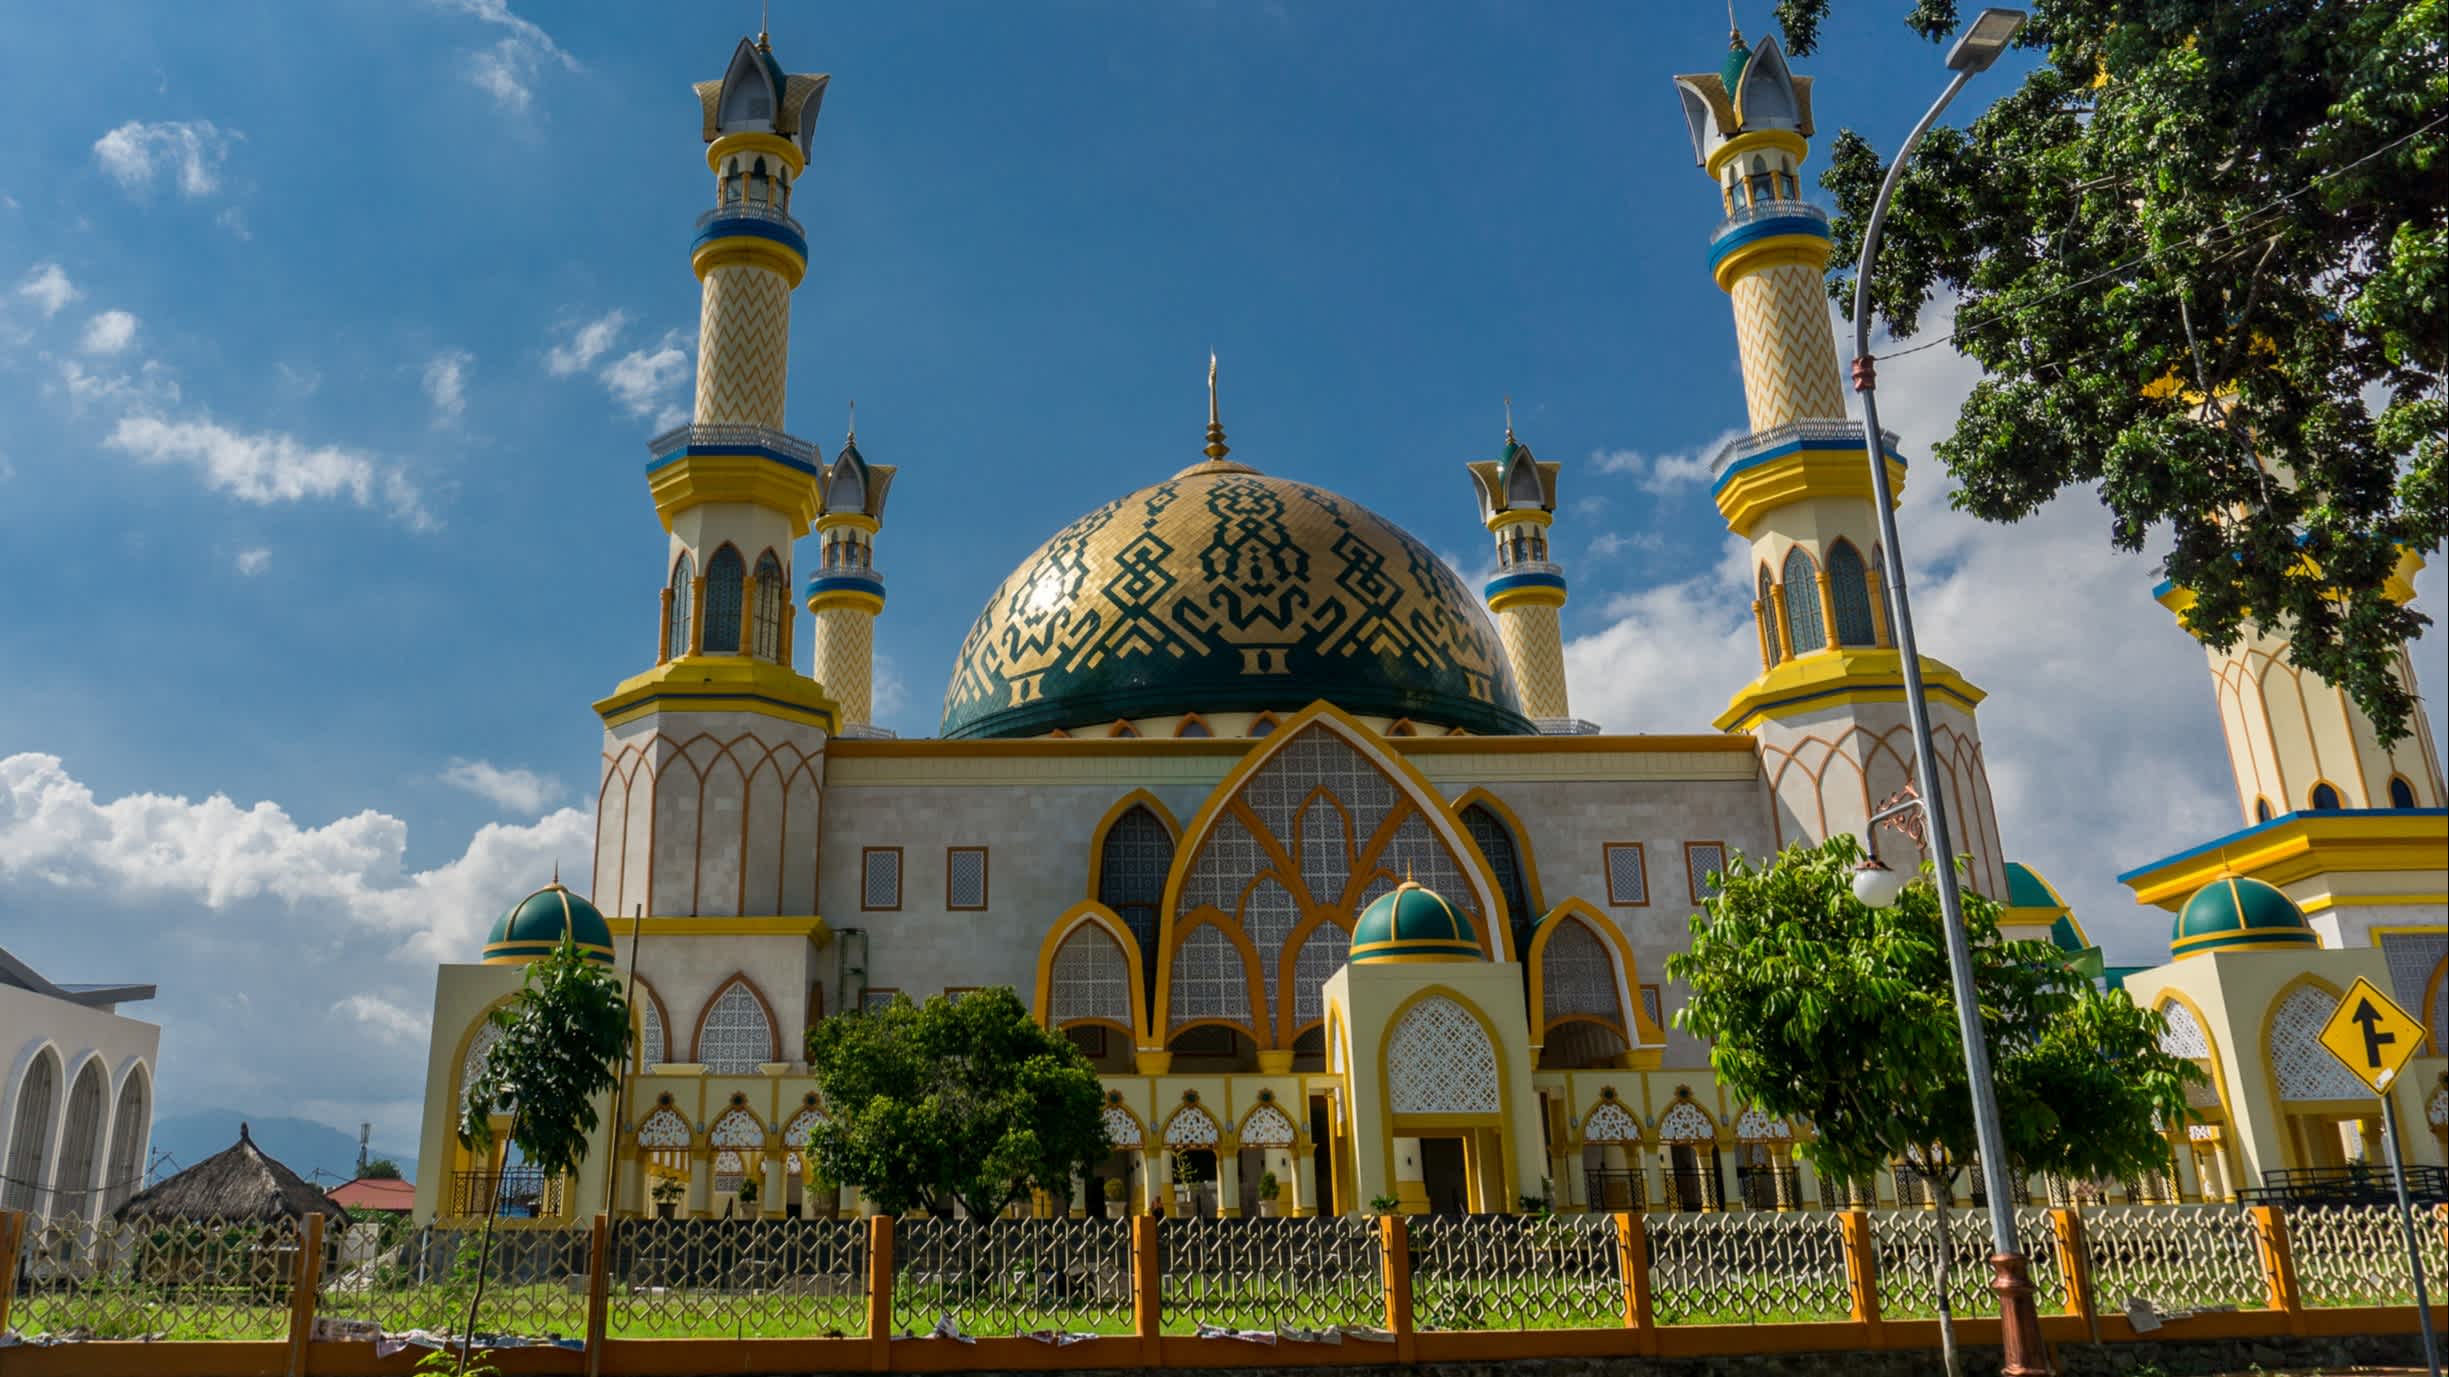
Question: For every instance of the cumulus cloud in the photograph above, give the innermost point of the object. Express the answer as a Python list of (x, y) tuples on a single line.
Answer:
[(446, 383), (270, 467), (216, 853), (109, 332), (1660, 473), (586, 344), (48, 287), (254, 561), (188, 152), (1609, 544), (518, 790), (649, 381), (386, 1021), (507, 69), (149, 384)]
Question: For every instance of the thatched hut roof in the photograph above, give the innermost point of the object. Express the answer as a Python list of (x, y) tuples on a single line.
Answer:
[(238, 1183)]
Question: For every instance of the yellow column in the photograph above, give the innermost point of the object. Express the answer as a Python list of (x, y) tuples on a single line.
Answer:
[(1789, 352), (845, 655), (1304, 1181)]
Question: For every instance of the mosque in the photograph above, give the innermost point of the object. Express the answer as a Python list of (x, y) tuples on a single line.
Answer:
[(1297, 837)]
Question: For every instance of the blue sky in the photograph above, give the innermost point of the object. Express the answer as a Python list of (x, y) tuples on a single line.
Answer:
[(331, 334)]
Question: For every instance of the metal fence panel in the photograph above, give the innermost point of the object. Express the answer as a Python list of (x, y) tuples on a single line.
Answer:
[(1747, 1268), (1497, 1271), (535, 1282), (2356, 1254), (1907, 1246), (1012, 1276), (2175, 1256), (762, 1278), (1309, 1275), (156, 1279)]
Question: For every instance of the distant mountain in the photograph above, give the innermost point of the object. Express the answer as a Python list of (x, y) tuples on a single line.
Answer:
[(304, 1146)]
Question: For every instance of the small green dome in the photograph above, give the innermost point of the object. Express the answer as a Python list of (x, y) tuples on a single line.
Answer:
[(535, 924), (1413, 924), (1738, 57), (2233, 913)]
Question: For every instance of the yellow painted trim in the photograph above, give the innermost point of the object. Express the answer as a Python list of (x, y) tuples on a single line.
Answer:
[(1407, 779), (1524, 855), (1828, 678), (749, 251), (813, 928), (1777, 250), (936, 748), (857, 521), (694, 480), (1749, 496), (2399, 587), (2303, 846), (1567, 745), (1406, 1125), (1521, 516), (845, 600), (1785, 141), (1098, 914), (753, 142), (721, 683), (1536, 595), (1137, 798)]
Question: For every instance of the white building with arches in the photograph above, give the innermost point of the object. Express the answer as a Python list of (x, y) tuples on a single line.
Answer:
[(76, 1109)]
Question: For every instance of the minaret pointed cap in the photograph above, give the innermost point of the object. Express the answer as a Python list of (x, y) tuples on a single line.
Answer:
[(1216, 446)]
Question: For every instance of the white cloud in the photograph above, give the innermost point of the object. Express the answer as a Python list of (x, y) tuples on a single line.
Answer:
[(189, 151), (1609, 544), (153, 847), (586, 344), (1660, 473), (150, 385), (446, 383), (48, 288), (518, 790), (387, 1021), (648, 382), (254, 561), (270, 467), (507, 70), (109, 332)]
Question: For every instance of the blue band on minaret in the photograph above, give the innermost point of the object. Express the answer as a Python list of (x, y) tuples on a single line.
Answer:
[(749, 227), (1769, 227), (1506, 583)]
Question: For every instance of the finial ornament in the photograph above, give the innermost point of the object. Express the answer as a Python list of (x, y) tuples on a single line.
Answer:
[(765, 12), (1734, 35), (1216, 446), (1509, 420), (851, 437)]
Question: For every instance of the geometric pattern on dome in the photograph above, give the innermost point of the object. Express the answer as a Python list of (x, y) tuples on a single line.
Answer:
[(2303, 1067), (1611, 1122), (664, 1129), (736, 1036), (1191, 1127), (737, 1129), (1267, 1127), (1091, 979), (1577, 975), (2183, 1036), (1685, 1123), (1313, 801), (1752, 1126), (1121, 1129), (1225, 590), (1440, 1061)]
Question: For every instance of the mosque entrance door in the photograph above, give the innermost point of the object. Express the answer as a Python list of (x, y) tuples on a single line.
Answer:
[(1445, 1175)]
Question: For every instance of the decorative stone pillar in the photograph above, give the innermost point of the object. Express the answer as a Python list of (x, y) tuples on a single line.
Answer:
[(1228, 1183), (1079, 1195), (1156, 1180), (701, 1181), (772, 1201), (1411, 1185), (1304, 1182)]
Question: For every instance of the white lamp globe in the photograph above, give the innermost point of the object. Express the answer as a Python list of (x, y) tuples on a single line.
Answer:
[(1877, 885)]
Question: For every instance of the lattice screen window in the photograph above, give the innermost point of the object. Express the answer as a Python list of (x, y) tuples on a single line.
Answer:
[(1191, 1128), (1628, 880), (965, 877), (737, 1129), (1756, 1127), (880, 877), (1091, 979), (736, 1035), (1702, 860), (726, 581), (473, 1064), (1577, 975), (651, 1046), (1226, 863), (1653, 1004), (1120, 1128), (2305, 1069), (875, 999), (2411, 958), (664, 1129), (1611, 1122), (1496, 842), (1269, 915), (1322, 954), (1319, 756), (1131, 869), (1440, 1061), (2183, 1035), (1685, 1123), (795, 1138), (1267, 1127), (1416, 850), (1209, 980), (1326, 856)]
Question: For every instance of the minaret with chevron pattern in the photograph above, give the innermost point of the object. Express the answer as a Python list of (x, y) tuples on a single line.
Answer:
[(1517, 495), (1828, 705)]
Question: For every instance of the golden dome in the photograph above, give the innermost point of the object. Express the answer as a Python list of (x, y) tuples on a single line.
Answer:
[(1224, 590)]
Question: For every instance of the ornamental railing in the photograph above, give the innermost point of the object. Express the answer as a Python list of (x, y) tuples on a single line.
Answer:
[(1769, 210), (521, 1193), (1610, 1189), (764, 437), (749, 210), (1510, 1271), (1529, 566), (1319, 1275), (1759, 442)]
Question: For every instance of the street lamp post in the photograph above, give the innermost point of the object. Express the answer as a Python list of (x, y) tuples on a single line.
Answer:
[(1980, 46)]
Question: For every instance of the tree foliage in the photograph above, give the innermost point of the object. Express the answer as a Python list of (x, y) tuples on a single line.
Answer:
[(1821, 1008), (380, 1169), (967, 1100), (564, 1038), (2202, 256)]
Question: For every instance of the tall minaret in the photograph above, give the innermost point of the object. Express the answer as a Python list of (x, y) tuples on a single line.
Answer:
[(846, 592), (713, 758), (1827, 706), (1517, 495)]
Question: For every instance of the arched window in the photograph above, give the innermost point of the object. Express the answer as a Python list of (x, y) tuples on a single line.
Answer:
[(1262, 724), (1803, 632), (2401, 793), (2261, 809), (769, 609), (1193, 725), (684, 575), (72, 1190), (759, 188), (1496, 842), (131, 1124), (736, 1034), (2325, 799), (1131, 870), (1768, 619), (726, 574), (1849, 587), (29, 1158)]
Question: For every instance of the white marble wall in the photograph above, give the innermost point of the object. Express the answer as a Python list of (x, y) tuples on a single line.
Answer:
[(709, 813)]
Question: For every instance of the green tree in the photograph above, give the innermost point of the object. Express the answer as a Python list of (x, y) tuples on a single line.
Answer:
[(1820, 1008), (2202, 256), (380, 1169), (564, 1038), (967, 1100)]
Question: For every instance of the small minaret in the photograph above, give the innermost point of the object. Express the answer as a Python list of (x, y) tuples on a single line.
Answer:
[(1517, 495), (846, 592)]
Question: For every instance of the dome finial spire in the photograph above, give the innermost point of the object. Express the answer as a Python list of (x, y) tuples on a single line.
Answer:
[(1509, 420), (851, 436), (765, 12), (1216, 446), (1734, 35)]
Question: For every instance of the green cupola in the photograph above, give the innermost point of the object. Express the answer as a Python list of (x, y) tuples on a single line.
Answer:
[(535, 925), (1413, 924), (2233, 913)]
